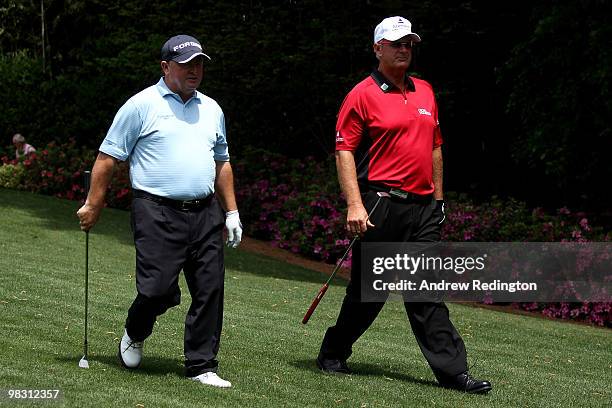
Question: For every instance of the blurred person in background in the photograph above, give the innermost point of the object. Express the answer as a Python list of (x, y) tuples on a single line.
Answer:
[(22, 149)]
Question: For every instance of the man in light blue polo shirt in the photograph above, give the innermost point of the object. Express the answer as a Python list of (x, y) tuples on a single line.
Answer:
[(174, 138)]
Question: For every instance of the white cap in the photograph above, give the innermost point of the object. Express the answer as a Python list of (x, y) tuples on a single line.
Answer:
[(394, 28)]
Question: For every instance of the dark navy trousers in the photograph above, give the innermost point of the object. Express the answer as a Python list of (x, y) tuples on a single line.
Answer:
[(168, 240), (398, 220)]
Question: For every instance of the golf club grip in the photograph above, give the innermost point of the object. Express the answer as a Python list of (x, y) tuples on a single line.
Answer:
[(87, 181), (315, 303)]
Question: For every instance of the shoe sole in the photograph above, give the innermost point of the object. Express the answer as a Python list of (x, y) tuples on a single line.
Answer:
[(123, 362), (481, 390), (210, 385)]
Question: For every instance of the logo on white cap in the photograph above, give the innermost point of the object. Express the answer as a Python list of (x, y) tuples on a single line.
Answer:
[(394, 28)]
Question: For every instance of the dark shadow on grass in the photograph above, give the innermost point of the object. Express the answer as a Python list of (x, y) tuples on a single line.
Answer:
[(151, 365), (263, 265), (366, 370), (60, 214)]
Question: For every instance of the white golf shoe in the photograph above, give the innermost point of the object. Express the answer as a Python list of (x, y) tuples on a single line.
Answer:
[(213, 379), (130, 351)]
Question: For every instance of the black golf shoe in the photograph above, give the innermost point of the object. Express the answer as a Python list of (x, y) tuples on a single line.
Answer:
[(466, 383), (332, 366)]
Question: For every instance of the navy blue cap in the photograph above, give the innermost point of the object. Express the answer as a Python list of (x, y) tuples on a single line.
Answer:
[(181, 48)]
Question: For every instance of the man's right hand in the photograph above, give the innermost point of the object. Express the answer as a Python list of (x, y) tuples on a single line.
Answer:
[(100, 179), (88, 216), (357, 221)]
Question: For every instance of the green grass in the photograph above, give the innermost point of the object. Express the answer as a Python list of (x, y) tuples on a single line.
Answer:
[(265, 351)]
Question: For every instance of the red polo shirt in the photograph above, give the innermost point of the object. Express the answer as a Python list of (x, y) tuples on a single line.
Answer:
[(391, 133)]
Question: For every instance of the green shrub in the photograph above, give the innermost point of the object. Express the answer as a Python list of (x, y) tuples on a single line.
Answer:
[(11, 175)]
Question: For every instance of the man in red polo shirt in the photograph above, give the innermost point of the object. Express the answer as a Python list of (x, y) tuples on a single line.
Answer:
[(388, 139)]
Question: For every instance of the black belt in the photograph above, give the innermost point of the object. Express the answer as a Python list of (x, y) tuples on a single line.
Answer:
[(400, 195), (183, 205)]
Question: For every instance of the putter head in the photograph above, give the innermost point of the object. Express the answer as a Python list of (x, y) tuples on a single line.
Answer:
[(83, 363)]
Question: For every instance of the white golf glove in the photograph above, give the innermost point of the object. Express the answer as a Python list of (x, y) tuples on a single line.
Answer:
[(441, 208), (234, 228)]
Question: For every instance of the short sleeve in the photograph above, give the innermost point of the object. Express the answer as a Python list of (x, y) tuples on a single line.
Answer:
[(123, 133), (221, 152), (350, 124)]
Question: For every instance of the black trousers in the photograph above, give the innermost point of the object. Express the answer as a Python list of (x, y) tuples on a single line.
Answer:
[(168, 240), (398, 221)]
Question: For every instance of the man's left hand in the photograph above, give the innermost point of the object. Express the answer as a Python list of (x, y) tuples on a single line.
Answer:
[(234, 228)]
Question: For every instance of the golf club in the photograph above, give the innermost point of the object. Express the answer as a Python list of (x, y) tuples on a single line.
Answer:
[(324, 288), (83, 363)]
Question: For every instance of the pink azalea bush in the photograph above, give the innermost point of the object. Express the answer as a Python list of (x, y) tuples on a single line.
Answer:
[(509, 221), (506, 220), (57, 170), (293, 203)]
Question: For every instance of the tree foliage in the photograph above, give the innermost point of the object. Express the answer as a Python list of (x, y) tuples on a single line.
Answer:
[(560, 98)]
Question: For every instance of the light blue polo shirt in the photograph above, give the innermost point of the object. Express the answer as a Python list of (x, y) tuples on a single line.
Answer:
[(172, 146)]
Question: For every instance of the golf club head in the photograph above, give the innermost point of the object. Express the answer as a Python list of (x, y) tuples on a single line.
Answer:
[(83, 363)]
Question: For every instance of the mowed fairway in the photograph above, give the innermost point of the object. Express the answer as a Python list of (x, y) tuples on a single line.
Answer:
[(265, 351)]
